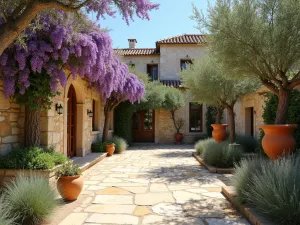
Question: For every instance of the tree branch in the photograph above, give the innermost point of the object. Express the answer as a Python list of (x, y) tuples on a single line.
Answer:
[(270, 86), (294, 84)]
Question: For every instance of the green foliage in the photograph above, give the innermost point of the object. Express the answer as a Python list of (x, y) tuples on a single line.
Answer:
[(248, 143), (174, 99), (255, 38), (273, 188), (210, 119), (30, 199), (38, 95), (202, 145), (123, 121), (98, 147), (221, 155), (5, 217), (269, 114), (32, 158), (68, 169), (243, 175), (207, 81), (120, 144)]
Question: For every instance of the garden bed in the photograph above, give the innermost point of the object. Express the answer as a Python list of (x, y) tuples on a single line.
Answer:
[(212, 169), (255, 219), (85, 162)]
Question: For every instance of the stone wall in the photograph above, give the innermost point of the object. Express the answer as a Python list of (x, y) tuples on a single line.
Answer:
[(54, 126), (165, 130), (170, 56), (10, 124)]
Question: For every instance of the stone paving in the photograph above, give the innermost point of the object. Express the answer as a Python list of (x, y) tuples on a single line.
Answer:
[(153, 185)]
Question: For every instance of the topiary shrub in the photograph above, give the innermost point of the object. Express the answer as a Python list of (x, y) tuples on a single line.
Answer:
[(32, 158), (272, 188), (248, 143), (270, 109), (30, 199), (120, 144)]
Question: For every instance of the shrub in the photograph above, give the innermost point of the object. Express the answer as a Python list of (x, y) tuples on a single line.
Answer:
[(68, 169), (31, 158), (98, 147), (30, 199), (243, 174), (201, 145), (222, 155), (5, 217), (120, 144), (248, 143), (273, 189)]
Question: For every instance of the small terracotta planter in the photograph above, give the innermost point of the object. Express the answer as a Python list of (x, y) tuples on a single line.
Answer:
[(110, 149), (69, 187), (178, 138), (219, 132), (278, 140)]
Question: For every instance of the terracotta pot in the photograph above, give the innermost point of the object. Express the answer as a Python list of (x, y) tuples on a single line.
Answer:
[(278, 140), (219, 132), (178, 138), (69, 187), (110, 149)]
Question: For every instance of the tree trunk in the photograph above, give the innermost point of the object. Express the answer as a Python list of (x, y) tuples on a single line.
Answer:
[(283, 106), (231, 124), (219, 115), (107, 119), (32, 132)]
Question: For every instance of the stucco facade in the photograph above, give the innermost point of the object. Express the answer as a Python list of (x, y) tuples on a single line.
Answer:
[(54, 126), (168, 57)]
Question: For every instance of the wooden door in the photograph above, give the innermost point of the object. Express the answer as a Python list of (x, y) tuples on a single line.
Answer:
[(71, 123), (143, 126)]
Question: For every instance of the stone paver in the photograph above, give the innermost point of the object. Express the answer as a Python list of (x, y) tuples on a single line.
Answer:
[(156, 185)]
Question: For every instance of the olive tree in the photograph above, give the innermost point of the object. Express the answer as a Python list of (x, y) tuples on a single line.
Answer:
[(257, 38), (207, 82)]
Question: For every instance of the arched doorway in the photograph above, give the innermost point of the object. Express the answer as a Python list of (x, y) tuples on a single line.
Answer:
[(71, 122)]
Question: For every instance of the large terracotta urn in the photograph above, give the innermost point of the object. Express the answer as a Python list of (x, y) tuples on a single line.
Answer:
[(69, 187), (110, 149), (278, 140), (219, 132)]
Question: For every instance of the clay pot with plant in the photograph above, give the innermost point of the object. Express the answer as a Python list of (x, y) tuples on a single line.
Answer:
[(178, 123), (110, 148), (70, 181)]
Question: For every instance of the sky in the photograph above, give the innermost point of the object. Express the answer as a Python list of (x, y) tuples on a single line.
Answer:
[(171, 19)]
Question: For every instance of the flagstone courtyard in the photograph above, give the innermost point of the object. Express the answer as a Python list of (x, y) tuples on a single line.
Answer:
[(151, 185)]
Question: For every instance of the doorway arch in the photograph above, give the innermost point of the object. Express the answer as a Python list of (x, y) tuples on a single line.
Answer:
[(71, 122)]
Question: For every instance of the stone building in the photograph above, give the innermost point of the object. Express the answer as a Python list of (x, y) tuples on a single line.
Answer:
[(164, 63), (71, 132)]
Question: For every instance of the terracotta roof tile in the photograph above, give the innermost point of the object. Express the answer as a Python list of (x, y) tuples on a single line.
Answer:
[(136, 51), (171, 83), (184, 39)]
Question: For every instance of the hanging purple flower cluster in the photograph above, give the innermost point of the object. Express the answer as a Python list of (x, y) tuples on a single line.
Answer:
[(126, 7), (63, 45)]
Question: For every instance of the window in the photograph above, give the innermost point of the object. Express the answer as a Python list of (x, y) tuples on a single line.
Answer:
[(195, 117), (152, 70), (183, 63), (96, 115)]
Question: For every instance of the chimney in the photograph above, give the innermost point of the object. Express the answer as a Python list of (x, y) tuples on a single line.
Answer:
[(132, 43)]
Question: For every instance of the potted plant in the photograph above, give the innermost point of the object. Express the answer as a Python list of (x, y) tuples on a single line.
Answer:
[(178, 125), (70, 181), (110, 148), (219, 132)]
